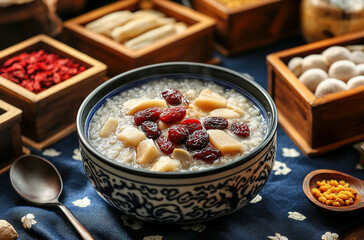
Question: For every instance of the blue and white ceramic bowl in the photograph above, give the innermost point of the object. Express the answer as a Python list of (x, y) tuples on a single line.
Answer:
[(179, 197)]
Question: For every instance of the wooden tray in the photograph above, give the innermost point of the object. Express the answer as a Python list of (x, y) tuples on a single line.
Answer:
[(195, 44), (11, 145), (251, 25), (316, 125), (51, 114)]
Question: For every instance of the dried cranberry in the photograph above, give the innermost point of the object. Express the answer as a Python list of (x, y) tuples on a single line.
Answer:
[(149, 114), (151, 129), (165, 145), (192, 124), (208, 154), (215, 123), (241, 129), (172, 115), (178, 133), (197, 140), (172, 96)]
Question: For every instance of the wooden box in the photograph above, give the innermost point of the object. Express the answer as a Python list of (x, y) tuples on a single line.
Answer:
[(50, 114), (11, 145), (252, 24), (316, 125), (195, 44)]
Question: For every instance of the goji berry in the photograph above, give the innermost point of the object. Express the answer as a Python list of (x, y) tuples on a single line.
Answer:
[(35, 70)]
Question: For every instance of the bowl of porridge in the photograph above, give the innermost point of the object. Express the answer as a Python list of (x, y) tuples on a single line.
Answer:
[(178, 142)]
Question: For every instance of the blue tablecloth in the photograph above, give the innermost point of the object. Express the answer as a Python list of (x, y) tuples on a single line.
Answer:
[(281, 210)]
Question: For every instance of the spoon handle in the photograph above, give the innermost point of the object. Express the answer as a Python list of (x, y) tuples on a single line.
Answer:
[(80, 229)]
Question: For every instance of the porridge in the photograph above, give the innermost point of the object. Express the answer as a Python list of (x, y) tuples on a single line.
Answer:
[(177, 125)]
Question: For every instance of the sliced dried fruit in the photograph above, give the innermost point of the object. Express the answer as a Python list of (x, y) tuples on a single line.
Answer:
[(165, 164), (222, 141), (131, 136), (132, 106), (172, 96), (197, 140), (150, 129), (172, 115), (192, 124), (147, 152), (109, 127), (149, 114), (178, 133), (224, 113), (215, 123), (208, 154), (209, 100), (165, 145), (240, 129)]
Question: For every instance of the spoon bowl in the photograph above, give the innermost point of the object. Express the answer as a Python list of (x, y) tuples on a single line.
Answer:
[(310, 182), (30, 173), (38, 181)]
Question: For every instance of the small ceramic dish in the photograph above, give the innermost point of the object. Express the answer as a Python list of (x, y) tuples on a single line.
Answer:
[(310, 182)]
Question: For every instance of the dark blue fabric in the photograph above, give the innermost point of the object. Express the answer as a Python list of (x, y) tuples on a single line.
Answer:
[(262, 220)]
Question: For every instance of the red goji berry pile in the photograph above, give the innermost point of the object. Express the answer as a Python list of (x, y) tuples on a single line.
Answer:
[(39, 70)]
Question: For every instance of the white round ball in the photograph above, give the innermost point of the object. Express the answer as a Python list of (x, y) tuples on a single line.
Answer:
[(295, 65), (314, 61), (355, 82), (360, 69), (311, 78), (357, 57), (336, 53), (330, 85), (343, 70)]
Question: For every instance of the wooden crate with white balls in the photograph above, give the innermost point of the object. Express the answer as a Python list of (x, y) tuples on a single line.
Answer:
[(316, 118)]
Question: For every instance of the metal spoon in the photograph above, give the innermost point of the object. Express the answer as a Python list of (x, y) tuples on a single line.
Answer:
[(38, 181), (310, 182)]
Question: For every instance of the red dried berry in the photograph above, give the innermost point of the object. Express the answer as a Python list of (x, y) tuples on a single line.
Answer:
[(33, 70), (215, 123), (241, 129), (197, 140), (151, 129), (178, 133), (172, 115), (192, 124), (149, 114), (208, 154), (172, 96), (165, 145)]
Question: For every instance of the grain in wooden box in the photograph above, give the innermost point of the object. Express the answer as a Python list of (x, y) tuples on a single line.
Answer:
[(11, 145), (195, 44), (251, 25), (316, 125), (50, 114)]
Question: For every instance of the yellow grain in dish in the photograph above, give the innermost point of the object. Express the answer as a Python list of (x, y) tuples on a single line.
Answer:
[(236, 3), (334, 193)]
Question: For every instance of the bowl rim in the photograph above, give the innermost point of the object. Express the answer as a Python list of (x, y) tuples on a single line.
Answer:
[(84, 142)]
